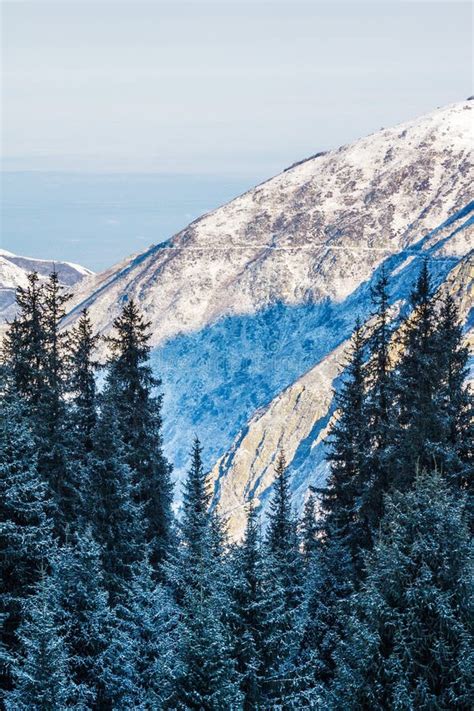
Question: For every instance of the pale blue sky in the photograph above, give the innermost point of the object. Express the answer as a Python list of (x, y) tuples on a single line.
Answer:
[(241, 88)]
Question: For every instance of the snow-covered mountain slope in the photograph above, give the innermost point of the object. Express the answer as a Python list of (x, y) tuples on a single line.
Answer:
[(14, 270), (297, 420), (251, 297)]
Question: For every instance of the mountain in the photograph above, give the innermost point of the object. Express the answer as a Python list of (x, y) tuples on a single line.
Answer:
[(251, 305), (15, 269)]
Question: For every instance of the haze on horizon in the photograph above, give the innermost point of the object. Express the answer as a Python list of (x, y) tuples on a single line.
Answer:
[(229, 87)]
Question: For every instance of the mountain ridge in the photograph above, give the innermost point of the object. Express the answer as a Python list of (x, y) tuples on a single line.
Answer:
[(250, 298), (14, 269)]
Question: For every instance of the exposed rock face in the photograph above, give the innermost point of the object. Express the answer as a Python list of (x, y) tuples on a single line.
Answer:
[(297, 421), (251, 305)]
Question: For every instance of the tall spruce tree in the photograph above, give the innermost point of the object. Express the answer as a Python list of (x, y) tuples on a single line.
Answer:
[(283, 580), (51, 415), (150, 620), (327, 595), (309, 528), (81, 609), (82, 384), (35, 352), (26, 541), (328, 573), (455, 452), (341, 498), (417, 380), (208, 679), (131, 387), (410, 634), (24, 347), (116, 518), (378, 407), (250, 613), (41, 672), (82, 416)]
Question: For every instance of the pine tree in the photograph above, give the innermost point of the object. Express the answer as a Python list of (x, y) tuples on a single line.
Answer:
[(82, 416), (341, 499), (327, 594), (131, 387), (82, 384), (455, 453), (309, 528), (208, 679), (283, 582), (26, 541), (250, 613), (115, 516), (167, 667), (24, 348), (41, 672), (418, 380), (52, 422), (410, 635), (195, 522), (35, 353), (119, 683), (149, 619), (378, 407), (82, 612), (55, 300)]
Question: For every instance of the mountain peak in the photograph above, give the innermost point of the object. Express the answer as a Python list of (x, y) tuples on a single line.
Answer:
[(251, 305)]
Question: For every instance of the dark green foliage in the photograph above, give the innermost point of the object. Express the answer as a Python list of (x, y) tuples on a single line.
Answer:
[(116, 518), (207, 678), (41, 671), (82, 384), (82, 613), (35, 351), (418, 379), (25, 522), (283, 582), (365, 604), (327, 594), (149, 618), (250, 613), (341, 499), (131, 387), (25, 345), (410, 634), (50, 415), (82, 417), (455, 453), (379, 408), (309, 529)]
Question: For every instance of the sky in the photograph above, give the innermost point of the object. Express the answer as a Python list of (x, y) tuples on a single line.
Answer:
[(123, 120), (227, 87)]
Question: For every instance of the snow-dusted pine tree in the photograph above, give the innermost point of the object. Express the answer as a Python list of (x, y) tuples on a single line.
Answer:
[(41, 674), (341, 499), (81, 605), (409, 642), (131, 388), (455, 453), (208, 679), (26, 541), (115, 516), (284, 591)]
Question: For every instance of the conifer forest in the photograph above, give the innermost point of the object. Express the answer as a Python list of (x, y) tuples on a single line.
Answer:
[(114, 599)]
